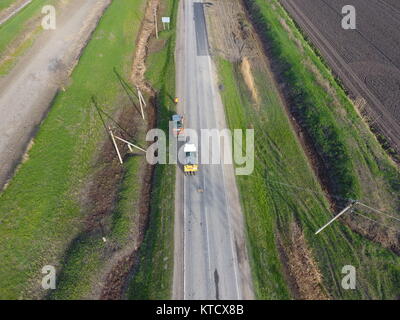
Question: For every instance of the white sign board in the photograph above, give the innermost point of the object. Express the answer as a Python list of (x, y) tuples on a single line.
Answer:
[(166, 20)]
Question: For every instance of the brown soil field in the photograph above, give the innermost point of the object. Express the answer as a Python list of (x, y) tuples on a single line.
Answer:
[(366, 60)]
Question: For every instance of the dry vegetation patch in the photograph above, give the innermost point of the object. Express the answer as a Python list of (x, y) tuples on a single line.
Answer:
[(302, 270), (249, 79), (139, 63)]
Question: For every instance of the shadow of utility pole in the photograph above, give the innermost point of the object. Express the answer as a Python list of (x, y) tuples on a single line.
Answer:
[(128, 90)]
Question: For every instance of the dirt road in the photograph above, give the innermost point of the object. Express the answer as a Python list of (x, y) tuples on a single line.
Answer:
[(27, 91), (210, 252)]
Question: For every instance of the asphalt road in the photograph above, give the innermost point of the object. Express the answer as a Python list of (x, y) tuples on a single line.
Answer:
[(27, 91), (210, 253)]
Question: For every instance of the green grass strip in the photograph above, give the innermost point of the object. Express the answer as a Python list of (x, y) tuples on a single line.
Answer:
[(284, 189), (153, 278), (6, 3), (40, 210)]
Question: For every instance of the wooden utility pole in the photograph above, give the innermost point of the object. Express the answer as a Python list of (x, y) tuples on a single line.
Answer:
[(115, 146), (141, 97), (142, 101), (336, 217), (130, 144), (155, 21)]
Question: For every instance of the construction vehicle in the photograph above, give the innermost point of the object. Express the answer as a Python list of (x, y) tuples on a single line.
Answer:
[(191, 163), (177, 124)]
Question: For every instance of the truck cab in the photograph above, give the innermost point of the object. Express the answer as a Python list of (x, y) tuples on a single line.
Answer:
[(191, 162)]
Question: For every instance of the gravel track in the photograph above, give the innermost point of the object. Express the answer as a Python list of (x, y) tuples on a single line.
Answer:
[(27, 91)]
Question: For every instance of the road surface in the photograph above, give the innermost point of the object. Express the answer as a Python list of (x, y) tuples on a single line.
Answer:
[(27, 91), (210, 252)]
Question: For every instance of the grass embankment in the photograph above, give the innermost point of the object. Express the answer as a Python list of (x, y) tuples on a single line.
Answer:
[(351, 154), (283, 190), (19, 32), (153, 278), (41, 210), (4, 4)]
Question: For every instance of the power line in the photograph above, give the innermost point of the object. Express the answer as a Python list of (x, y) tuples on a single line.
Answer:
[(304, 189), (101, 111), (392, 216), (379, 211), (374, 221)]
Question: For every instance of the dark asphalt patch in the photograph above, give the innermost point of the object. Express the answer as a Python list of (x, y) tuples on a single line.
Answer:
[(216, 280), (201, 30)]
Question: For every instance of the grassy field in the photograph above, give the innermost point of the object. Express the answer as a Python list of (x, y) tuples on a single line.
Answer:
[(284, 190), (19, 32), (5, 4), (153, 278), (278, 194), (41, 210)]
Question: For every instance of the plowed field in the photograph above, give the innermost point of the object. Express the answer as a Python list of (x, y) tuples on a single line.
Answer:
[(367, 59)]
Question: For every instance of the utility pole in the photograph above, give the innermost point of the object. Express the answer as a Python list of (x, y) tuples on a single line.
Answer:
[(155, 21), (336, 217), (142, 101), (115, 146), (130, 144)]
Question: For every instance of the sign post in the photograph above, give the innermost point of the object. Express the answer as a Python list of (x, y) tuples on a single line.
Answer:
[(166, 20)]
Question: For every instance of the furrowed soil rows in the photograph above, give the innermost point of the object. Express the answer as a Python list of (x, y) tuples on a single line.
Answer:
[(366, 59)]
